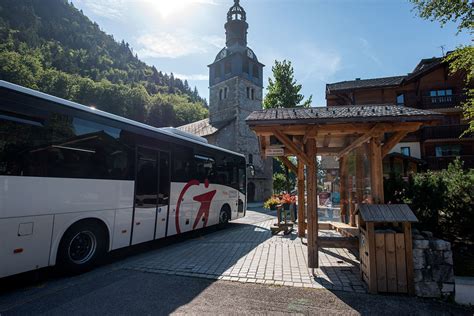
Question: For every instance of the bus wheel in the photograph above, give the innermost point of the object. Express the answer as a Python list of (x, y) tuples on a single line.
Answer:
[(81, 247), (224, 215)]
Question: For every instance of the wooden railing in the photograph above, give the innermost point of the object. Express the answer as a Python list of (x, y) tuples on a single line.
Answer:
[(446, 101)]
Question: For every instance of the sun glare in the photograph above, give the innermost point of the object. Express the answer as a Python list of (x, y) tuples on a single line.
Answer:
[(168, 8)]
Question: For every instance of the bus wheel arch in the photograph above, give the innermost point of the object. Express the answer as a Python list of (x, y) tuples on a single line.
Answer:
[(82, 245)]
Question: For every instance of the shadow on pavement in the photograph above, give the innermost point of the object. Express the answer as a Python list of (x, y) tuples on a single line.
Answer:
[(119, 280)]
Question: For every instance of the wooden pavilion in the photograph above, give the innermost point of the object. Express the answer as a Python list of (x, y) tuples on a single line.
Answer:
[(335, 131)]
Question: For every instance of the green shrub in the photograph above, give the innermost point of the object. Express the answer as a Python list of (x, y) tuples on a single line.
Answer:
[(442, 200)]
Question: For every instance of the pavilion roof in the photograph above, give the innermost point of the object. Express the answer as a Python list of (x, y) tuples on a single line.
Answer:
[(341, 114)]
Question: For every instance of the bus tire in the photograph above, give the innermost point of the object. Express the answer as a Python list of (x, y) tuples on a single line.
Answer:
[(82, 246), (224, 215)]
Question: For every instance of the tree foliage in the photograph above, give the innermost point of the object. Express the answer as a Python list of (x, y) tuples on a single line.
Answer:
[(51, 46), (444, 11), (283, 91), (461, 60)]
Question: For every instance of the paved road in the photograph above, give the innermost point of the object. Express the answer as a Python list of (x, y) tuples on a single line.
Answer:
[(112, 290), (119, 292)]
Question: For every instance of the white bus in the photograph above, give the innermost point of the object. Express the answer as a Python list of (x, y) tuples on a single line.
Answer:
[(76, 182)]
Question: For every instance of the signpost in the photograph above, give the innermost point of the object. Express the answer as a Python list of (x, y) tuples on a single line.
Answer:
[(274, 152)]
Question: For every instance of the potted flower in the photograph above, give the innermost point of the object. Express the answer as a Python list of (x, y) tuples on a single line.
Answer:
[(287, 200), (271, 203)]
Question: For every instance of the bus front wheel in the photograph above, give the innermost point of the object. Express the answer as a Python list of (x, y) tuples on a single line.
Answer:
[(81, 247), (224, 215)]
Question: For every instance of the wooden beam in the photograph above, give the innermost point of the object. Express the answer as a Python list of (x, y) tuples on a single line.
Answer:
[(376, 170), (392, 141), (261, 141), (326, 140), (310, 132), (333, 129), (329, 151), (312, 211), (301, 200), (377, 129), (291, 146), (291, 166)]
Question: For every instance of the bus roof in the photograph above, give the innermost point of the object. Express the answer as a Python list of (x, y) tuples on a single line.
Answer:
[(85, 108)]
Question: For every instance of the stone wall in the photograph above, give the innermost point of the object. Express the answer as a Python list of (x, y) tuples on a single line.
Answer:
[(433, 265)]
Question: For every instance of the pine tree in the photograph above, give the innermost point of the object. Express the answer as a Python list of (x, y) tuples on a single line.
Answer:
[(283, 91)]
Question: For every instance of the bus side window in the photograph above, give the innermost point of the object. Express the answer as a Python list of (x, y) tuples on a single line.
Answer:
[(183, 169), (205, 168), (20, 141), (84, 149)]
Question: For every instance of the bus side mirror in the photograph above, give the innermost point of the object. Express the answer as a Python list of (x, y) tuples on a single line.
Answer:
[(251, 169)]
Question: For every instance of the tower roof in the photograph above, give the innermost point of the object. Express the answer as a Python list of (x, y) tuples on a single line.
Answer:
[(236, 12)]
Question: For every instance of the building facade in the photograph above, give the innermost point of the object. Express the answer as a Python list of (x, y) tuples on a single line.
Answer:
[(236, 90), (429, 86)]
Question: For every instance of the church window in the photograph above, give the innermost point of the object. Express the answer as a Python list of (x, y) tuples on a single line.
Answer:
[(246, 66), (228, 67), (252, 92), (248, 92), (221, 94), (255, 73), (217, 71), (225, 92)]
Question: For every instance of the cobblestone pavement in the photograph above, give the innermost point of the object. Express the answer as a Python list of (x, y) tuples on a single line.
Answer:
[(247, 252)]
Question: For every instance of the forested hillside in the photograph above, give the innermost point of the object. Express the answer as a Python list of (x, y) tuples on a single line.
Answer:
[(51, 46)]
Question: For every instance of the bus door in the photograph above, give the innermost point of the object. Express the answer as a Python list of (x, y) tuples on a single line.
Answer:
[(163, 195), (146, 196)]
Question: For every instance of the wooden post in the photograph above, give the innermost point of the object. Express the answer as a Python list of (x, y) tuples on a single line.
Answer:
[(409, 258), (372, 256), (343, 187), (301, 200), (376, 170), (312, 210), (359, 180)]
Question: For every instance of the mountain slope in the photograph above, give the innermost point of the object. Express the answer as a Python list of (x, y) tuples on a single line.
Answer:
[(51, 46)]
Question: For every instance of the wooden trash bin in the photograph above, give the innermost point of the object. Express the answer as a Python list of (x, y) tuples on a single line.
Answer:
[(385, 247)]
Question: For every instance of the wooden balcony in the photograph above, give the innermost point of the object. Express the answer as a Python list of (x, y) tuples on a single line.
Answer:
[(444, 132), (439, 102)]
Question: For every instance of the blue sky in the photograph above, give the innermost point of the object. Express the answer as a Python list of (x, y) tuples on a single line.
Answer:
[(326, 40)]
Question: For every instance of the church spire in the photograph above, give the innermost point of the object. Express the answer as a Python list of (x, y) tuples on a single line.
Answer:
[(236, 12), (236, 26)]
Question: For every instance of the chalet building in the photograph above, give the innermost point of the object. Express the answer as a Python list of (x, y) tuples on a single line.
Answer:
[(430, 87)]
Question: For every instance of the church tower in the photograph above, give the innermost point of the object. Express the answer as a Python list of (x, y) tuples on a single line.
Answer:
[(236, 86)]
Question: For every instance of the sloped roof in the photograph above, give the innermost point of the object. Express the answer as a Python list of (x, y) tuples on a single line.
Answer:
[(424, 66), (341, 114), (365, 83), (203, 127), (386, 213)]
